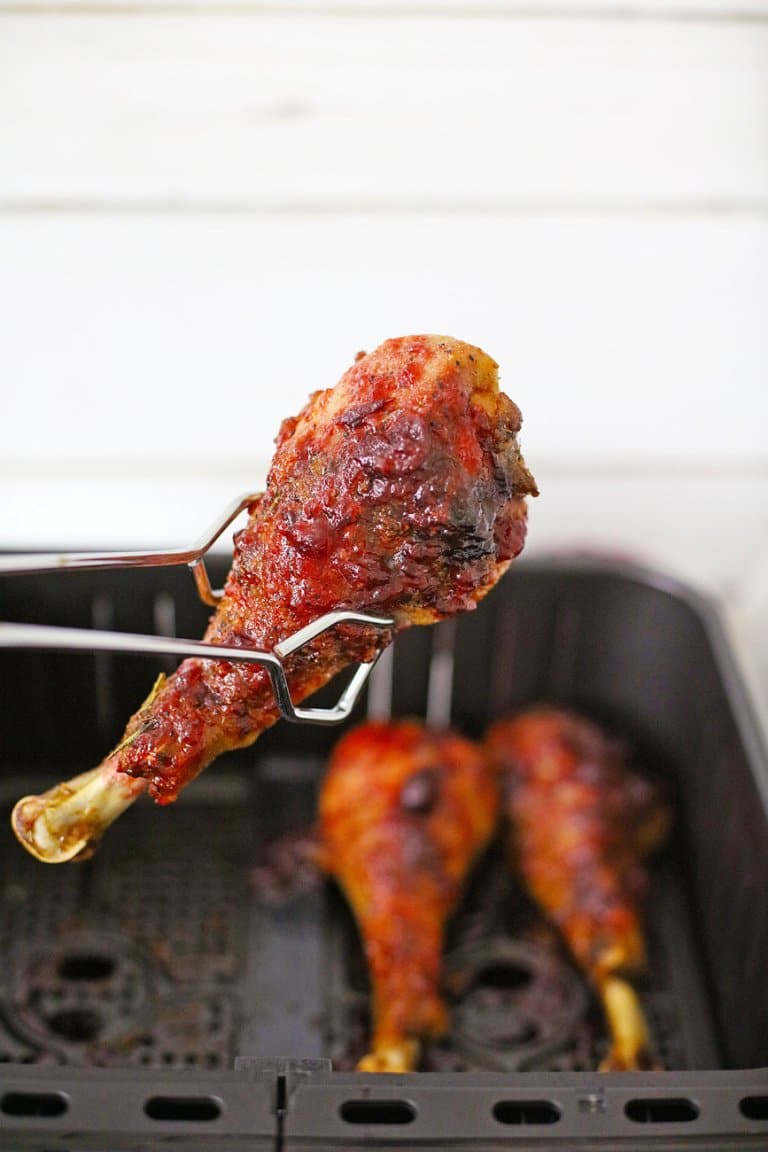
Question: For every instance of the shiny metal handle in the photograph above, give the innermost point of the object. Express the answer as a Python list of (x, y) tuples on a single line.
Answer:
[(24, 564), (49, 638)]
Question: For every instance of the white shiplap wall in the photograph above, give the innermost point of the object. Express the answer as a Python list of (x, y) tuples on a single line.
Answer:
[(223, 202), (207, 208)]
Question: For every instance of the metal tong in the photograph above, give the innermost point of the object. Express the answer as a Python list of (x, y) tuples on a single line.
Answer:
[(93, 640)]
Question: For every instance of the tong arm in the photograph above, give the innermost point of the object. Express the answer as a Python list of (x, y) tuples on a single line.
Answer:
[(92, 640), (21, 564), (49, 638)]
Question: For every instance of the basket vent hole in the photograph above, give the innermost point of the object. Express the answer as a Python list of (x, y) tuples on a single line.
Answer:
[(76, 1024), (86, 966), (377, 1112), (526, 1112), (189, 1108), (502, 975), (38, 1104), (662, 1110), (754, 1107)]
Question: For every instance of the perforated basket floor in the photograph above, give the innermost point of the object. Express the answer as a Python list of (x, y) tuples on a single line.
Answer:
[(196, 983), (199, 933)]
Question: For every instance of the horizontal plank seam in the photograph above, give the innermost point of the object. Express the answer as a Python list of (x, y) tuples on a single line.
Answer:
[(523, 12), (31, 207)]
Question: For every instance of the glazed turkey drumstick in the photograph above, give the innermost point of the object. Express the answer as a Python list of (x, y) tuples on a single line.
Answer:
[(581, 825), (403, 814), (400, 491)]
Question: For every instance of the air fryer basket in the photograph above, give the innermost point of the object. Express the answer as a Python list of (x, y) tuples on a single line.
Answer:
[(196, 983)]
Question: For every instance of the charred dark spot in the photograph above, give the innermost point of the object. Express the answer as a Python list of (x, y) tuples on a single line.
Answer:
[(420, 792), (355, 414), (470, 548)]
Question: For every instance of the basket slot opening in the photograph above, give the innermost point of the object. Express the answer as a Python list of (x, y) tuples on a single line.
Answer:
[(380, 686), (34, 1104), (78, 1025), (281, 1095), (103, 620), (190, 1108), (86, 966), (662, 1110), (526, 1112), (754, 1107), (502, 974), (440, 680), (377, 1112), (164, 621)]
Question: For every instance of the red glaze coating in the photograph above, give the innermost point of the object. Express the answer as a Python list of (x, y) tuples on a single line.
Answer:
[(581, 824), (400, 491), (403, 814)]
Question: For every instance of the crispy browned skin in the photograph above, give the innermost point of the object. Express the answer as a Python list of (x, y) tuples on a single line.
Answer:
[(403, 814), (581, 825), (400, 491)]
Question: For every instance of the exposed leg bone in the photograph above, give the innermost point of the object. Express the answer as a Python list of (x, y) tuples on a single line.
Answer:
[(394, 1056), (627, 1027), (67, 822)]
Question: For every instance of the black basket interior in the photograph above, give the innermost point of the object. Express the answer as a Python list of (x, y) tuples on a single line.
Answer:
[(200, 933)]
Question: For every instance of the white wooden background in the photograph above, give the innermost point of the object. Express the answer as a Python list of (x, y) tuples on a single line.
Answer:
[(206, 208)]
